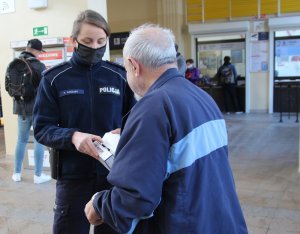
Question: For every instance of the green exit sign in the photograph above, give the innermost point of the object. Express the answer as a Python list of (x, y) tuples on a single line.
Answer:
[(40, 31)]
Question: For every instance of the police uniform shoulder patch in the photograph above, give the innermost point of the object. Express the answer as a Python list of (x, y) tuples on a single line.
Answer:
[(56, 68), (115, 65), (116, 68)]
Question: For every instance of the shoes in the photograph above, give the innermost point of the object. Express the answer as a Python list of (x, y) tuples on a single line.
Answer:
[(238, 112), (41, 179), (36, 179), (227, 113), (16, 177)]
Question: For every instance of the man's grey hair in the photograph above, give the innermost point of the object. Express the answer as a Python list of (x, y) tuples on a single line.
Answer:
[(151, 45)]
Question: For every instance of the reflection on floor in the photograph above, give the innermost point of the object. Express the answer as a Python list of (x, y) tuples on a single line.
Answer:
[(264, 158)]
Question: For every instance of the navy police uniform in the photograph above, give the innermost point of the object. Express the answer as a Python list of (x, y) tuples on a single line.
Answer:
[(77, 97)]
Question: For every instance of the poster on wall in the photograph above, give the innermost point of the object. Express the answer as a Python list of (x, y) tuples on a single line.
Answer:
[(7, 6), (237, 56), (211, 55), (259, 47), (117, 40), (287, 58), (209, 61), (259, 56), (52, 57)]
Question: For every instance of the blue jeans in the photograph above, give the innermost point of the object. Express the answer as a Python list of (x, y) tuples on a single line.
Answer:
[(23, 136)]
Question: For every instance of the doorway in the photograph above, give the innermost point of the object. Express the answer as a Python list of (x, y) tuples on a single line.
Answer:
[(210, 52)]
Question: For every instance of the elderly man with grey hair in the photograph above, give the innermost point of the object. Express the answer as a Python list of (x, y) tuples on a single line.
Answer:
[(171, 172)]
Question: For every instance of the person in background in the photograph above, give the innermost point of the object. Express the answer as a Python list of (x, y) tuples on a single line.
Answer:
[(180, 61), (228, 77), (24, 111), (192, 73), (79, 101), (171, 172)]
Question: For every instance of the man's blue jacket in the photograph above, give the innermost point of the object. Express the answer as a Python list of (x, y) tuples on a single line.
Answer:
[(171, 172)]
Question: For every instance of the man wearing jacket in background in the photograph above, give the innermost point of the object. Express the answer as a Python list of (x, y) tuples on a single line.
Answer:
[(228, 78), (24, 110), (171, 172)]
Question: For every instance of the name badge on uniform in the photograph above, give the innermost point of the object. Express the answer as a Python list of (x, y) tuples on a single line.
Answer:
[(70, 92), (109, 90)]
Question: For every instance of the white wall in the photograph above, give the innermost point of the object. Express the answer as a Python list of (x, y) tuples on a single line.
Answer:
[(259, 92), (123, 16), (58, 16)]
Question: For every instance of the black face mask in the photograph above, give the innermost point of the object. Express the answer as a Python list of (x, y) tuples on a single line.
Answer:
[(89, 55)]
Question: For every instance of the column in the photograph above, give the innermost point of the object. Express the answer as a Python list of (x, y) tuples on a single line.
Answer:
[(171, 14)]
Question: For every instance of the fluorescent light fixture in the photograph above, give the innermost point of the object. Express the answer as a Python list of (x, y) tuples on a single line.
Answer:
[(37, 4)]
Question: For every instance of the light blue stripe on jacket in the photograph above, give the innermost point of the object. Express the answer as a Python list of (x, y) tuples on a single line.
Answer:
[(185, 152)]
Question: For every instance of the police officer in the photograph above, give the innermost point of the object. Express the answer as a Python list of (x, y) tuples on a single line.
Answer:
[(78, 102)]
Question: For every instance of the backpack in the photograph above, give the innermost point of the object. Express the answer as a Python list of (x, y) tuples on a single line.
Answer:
[(21, 80), (226, 75)]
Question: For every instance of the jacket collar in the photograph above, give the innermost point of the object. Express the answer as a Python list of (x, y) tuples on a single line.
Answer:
[(26, 54), (165, 77)]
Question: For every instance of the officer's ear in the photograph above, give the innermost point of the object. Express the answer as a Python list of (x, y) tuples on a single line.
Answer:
[(74, 42)]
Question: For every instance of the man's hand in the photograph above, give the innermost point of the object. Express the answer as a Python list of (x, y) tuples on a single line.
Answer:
[(91, 214), (84, 143)]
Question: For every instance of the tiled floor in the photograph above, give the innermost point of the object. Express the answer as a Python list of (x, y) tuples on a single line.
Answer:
[(264, 157)]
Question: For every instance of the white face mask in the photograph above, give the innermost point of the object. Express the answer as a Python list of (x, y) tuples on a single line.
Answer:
[(190, 66)]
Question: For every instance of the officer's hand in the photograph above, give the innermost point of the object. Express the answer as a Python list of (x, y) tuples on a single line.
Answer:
[(84, 143), (116, 131), (91, 214)]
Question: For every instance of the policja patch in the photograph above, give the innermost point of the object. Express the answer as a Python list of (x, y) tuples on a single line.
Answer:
[(109, 90)]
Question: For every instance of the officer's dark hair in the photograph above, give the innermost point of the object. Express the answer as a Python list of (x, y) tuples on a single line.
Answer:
[(89, 17)]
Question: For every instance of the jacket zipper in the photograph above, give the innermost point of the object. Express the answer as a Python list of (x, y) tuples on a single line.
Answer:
[(91, 94)]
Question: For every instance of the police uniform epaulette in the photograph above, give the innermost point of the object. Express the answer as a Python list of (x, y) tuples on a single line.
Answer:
[(56, 67), (115, 65)]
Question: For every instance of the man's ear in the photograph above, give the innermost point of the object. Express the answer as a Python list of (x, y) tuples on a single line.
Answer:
[(135, 66)]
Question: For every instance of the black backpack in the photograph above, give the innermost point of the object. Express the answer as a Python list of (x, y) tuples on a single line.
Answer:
[(226, 74), (21, 80)]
